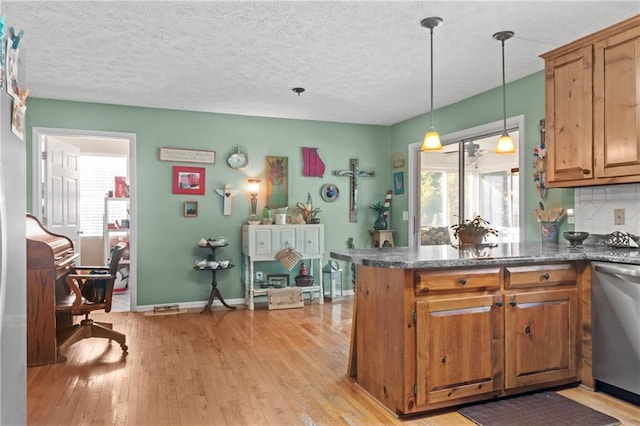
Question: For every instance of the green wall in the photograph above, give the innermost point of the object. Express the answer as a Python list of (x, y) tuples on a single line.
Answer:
[(524, 96), (167, 241)]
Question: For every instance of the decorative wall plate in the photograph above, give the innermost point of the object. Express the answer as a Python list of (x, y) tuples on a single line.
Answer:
[(329, 192)]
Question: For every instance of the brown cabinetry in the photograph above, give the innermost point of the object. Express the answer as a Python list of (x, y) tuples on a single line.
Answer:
[(459, 347), (541, 317), (540, 337), (432, 338), (592, 91)]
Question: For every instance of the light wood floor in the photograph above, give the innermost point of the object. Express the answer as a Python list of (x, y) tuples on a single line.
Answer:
[(227, 367)]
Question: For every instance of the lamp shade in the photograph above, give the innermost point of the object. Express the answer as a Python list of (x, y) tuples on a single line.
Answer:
[(254, 186), (431, 141), (505, 145)]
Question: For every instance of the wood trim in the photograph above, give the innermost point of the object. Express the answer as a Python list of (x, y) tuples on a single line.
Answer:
[(585, 336)]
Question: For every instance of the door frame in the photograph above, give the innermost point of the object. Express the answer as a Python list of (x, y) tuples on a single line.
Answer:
[(36, 186), (414, 167)]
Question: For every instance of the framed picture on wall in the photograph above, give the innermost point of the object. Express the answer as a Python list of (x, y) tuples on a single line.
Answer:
[(190, 209), (188, 180), (398, 183)]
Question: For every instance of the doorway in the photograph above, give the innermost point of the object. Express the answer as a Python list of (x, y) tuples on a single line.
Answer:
[(464, 179), (58, 196)]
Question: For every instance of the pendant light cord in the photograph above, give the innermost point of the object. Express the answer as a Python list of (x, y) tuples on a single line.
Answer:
[(431, 38), (504, 94)]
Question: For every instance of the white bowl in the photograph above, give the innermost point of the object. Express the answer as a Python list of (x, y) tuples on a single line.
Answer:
[(212, 264), (224, 263)]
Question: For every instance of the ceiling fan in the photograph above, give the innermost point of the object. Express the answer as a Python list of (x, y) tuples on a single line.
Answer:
[(472, 150)]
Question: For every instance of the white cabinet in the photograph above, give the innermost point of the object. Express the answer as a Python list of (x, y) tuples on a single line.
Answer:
[(116, 227), (263, 242)]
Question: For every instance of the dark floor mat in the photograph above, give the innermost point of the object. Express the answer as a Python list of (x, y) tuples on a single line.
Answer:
[(545, 408)]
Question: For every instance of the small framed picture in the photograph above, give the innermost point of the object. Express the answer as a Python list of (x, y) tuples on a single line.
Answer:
[(188, 180), (277, 280), (398, 183), (190, 209)]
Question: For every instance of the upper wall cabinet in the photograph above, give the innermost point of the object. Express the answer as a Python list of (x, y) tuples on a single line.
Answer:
[(592, 91)]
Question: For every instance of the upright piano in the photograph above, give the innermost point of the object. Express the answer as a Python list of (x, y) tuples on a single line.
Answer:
[(49, 258)]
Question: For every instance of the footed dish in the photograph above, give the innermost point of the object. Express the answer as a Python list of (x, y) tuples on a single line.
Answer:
[(575, 238)]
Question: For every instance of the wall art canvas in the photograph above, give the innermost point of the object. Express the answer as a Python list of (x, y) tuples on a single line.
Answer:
[(188, 180), (18, 118), (313, 164), (12, 69), (398, 183), (277, 181)]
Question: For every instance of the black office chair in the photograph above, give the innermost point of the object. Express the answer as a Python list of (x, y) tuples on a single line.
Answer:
[(90, 289)]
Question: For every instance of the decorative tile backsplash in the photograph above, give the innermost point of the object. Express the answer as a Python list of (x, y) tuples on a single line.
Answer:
[(594, 208)]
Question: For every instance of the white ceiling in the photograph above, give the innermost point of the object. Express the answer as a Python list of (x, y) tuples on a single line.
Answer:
[(360, 62)]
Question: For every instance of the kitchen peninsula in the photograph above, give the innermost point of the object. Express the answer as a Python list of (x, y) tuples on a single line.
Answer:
[(437, 326)]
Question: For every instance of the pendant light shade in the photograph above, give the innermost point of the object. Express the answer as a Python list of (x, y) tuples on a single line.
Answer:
[(431, 138), (505, 143)]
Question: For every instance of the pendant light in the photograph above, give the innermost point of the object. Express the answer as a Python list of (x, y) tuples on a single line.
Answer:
[(505, 143), (431, 138)]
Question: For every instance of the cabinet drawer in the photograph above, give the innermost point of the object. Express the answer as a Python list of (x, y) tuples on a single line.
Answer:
[(540, 275), (457, 279)]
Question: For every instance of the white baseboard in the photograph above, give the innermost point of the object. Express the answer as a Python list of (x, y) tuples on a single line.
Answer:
[(232, 302)]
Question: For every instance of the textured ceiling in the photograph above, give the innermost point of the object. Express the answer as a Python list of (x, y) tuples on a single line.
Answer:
[(360, 62)]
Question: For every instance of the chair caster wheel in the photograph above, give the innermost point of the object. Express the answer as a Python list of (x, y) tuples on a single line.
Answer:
[(125, 348)]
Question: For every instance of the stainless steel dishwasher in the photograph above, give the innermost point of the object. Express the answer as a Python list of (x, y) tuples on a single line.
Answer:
[(616, 329)]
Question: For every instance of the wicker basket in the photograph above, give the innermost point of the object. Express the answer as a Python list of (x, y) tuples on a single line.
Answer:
[(289, 257)]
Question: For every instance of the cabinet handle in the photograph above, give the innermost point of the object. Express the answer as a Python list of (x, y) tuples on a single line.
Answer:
[(586, 171), (546, 276), (499, 304), (527, 330), (462, 281), (443, 360), (512, 302)]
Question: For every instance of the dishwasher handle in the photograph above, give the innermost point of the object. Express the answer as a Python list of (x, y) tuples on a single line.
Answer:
[(618, 270)]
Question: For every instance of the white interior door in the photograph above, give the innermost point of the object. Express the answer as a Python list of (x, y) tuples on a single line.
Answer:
[(61, 189)]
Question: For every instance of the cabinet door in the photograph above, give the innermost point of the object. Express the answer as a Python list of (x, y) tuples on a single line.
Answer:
[(261, 242), (312, 241), (617, 105), (569, 117), (285, 237), (540, 337), (459, 347)]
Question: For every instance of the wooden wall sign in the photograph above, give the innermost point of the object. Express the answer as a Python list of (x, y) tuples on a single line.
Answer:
[(187, 155)]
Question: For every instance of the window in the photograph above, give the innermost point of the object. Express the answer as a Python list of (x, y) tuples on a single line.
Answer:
[(98, 178), (464, 179)]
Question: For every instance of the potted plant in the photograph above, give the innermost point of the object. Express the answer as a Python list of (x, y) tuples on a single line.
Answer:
[(473, 231), (381, 222)]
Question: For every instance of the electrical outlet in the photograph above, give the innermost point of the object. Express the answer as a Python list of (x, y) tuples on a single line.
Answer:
[(571, 219), (618, 216), (259, 275)]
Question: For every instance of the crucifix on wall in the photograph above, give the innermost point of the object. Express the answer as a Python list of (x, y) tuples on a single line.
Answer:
[(354, 173)]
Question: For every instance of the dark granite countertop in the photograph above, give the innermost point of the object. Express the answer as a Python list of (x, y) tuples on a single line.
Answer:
[(445, 256)]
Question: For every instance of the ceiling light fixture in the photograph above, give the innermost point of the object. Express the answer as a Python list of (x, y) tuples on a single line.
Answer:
[(298, 90), (431, 138), (505, 143)]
